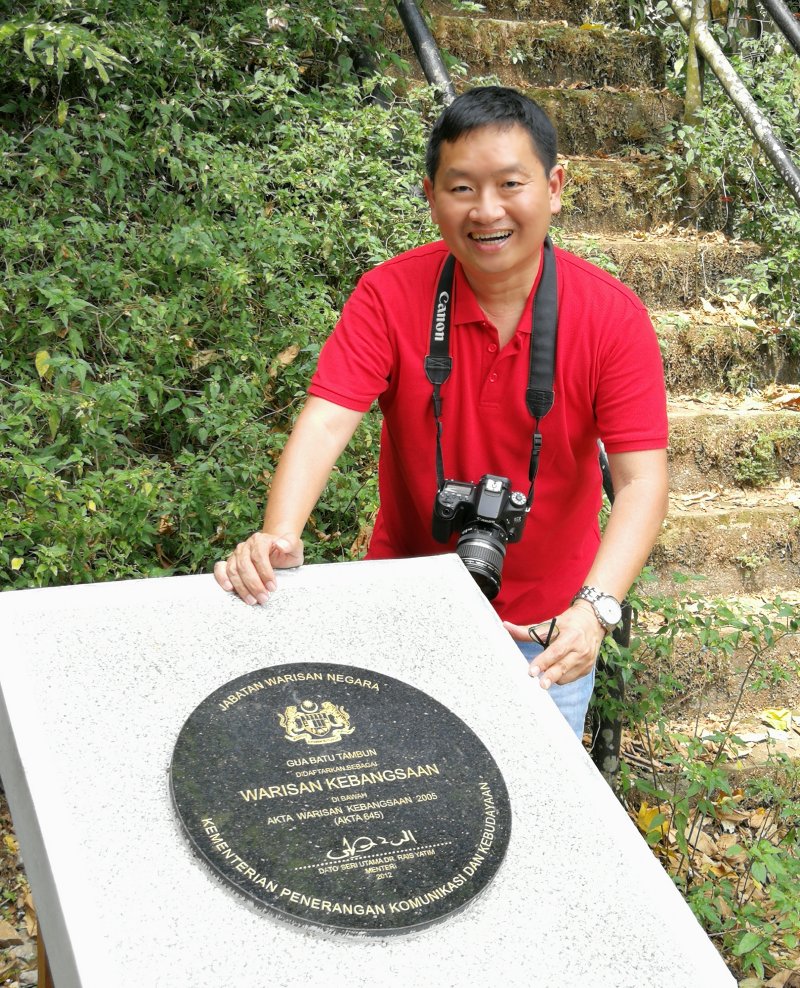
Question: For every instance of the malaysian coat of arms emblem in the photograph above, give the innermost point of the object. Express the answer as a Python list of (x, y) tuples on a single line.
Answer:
[(315, 723)]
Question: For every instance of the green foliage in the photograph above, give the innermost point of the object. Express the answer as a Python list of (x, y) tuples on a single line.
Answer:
[(720, 158), (684, 797), (48, 45), (757, 460), (181, 217)]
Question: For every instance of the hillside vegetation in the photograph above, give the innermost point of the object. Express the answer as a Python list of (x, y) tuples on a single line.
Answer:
[(187, 195)]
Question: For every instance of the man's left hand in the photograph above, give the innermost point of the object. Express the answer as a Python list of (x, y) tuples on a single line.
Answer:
[(572, 650)]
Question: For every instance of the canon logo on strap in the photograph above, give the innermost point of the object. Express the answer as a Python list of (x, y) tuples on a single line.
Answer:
[(441, 312)]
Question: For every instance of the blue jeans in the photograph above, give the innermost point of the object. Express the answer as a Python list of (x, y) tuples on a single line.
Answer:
[(572, 699)]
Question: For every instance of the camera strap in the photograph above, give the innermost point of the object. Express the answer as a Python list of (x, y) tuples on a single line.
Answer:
[(544, 331)]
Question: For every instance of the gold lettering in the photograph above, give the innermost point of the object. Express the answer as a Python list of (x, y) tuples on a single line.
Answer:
[(287, 789)]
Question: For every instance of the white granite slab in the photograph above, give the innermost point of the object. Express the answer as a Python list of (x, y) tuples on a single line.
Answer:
[(95, 684)]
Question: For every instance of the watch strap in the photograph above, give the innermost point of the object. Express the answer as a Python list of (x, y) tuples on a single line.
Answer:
[(592, 595)]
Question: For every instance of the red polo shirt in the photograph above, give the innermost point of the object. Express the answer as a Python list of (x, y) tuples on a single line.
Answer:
[(608, 384)]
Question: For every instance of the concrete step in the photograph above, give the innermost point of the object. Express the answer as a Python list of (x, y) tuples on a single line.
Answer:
[(666, 272), (613, 195), (738, 541), (575, 12), (544, 54), (738, 352), (744, 442), (595, 122), (606, 121)]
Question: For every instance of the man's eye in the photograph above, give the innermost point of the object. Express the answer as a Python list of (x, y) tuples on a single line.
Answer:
[(512, 184), (460, 188)]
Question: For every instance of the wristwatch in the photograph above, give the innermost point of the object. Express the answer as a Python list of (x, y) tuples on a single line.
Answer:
[(607, 609)]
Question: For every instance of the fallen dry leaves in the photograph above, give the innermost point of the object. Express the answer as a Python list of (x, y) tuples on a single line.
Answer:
[(17, 916), (787, 399), (714, 844), (783, 494)]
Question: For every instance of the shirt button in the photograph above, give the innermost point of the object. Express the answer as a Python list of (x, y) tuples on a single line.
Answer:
[(492, 347), (493, 378)]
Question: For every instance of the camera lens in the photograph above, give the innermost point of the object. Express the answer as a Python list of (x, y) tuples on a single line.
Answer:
[(482, 552)]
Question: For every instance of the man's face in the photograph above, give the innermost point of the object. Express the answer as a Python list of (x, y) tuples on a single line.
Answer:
[(493, 202)]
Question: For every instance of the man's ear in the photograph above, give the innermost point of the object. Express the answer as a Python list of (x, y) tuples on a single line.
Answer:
[(556, 185), (427, 186)]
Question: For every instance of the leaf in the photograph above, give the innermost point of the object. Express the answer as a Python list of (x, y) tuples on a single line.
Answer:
[(748, 942), (8, 935), (31, 924), (284, 358), (652, 822), (43, 368), (53, 422), (204, 357), (779, 718), (63, 110), (789, 400), (16, 563), (28, 41), (705, 844)]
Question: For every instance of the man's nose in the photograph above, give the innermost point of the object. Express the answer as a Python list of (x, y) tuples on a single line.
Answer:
[(488, 208)]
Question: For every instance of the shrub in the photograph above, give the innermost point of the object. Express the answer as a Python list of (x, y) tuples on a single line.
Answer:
[(181, 216)]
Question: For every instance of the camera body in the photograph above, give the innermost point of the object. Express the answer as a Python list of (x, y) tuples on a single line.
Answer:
[(489, 503), (488, 515)]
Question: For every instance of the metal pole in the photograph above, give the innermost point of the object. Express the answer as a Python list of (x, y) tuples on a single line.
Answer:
[(607, 726), (426, 49), (786, 21)]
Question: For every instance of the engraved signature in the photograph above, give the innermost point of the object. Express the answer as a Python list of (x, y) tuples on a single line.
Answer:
[(363, 845)]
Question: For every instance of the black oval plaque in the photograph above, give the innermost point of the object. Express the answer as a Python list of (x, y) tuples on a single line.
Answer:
[(341, 797)]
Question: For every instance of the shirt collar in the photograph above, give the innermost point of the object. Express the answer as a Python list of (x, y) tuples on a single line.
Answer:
[(467, 310)]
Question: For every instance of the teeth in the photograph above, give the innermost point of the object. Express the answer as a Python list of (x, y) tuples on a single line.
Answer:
[(490, 238)]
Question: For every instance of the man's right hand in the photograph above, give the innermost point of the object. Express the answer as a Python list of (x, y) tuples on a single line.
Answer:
[(249, 571)]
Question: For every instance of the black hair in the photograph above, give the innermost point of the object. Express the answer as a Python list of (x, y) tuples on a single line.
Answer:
[(492, 106)]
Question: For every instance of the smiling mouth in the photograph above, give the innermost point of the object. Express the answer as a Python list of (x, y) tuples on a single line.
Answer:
[(494, 237)]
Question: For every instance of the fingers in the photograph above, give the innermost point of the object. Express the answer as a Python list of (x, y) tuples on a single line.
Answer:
[(287, 551), (249, 572), (221, 575), (573, 654), (519, 632), (572, 649)]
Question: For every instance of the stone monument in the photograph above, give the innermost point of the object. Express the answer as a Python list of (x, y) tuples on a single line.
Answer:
[(115, 700)]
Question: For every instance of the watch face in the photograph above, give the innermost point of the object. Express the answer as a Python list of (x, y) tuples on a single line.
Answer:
[(609, 610)]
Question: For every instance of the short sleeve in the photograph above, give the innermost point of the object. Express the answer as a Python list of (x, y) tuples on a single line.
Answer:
[(630, 404), (355, 363)]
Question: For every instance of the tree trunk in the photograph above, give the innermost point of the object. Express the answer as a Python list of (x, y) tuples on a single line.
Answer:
[(744, 102)]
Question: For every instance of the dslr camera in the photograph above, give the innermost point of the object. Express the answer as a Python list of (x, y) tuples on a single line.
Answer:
[(488, 515)]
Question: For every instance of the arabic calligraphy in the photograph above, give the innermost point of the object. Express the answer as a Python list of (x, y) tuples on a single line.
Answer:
[(363, 845)]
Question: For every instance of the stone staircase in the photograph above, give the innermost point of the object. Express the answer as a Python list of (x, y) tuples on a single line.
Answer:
[(735, 455)]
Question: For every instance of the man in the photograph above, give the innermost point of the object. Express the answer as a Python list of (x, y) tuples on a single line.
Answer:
[(493, 185)]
